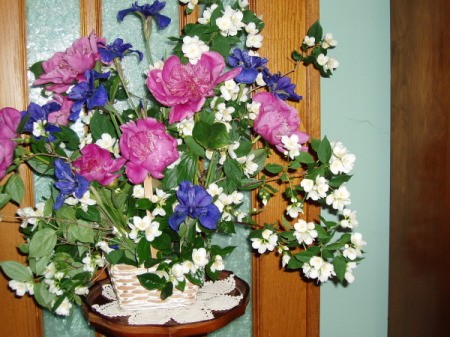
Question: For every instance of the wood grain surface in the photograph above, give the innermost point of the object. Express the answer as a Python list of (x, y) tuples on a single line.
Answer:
[(284, 305), (419, 290)]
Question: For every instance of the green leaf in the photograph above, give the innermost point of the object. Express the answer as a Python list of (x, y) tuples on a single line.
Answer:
[(194, 146), (42, 165), (227, 227), (260, 158), (304, 256), (343, 240), (43, 242), (222, 45), (296, 56), (286, 224), (143, 250), (162, 242), (323, 235), (68, 137), (41, 265), (100, 124), (43, 297), (167, 290), (305, 158), (16, 271), (339, 180), (340, 266), (144, 204), (4, 199), (115, 256), (249, 184), (294, 264), (15, 188), (37, 69), (151, 281), (274, 168), (212, 136), (151, 262), (316, 31), (82, 232), (324, 151), (92, 214), (185, 170)]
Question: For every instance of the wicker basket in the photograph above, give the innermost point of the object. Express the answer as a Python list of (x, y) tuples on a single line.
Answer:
[(132, 295)]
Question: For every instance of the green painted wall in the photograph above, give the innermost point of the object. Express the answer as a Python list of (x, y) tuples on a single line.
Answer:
[(356, 110)]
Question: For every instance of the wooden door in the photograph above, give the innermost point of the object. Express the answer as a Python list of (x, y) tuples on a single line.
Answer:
[(283, 305), (419, 290), (17, 317)]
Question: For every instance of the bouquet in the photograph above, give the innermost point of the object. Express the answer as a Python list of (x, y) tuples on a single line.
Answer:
[(148, 181)]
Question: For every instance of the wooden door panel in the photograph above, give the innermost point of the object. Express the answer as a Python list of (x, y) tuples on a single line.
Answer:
[(18, 317), (283, 304), (420, 169)]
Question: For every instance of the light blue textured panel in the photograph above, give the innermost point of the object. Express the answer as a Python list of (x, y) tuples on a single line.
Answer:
[(356, 110), (52, 26)]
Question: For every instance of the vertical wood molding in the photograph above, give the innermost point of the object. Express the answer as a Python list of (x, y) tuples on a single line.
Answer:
[(91, 20), (91, 16), (17, 317), (283, 304)]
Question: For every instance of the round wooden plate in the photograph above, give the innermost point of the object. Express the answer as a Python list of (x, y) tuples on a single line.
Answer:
[(118, 326)]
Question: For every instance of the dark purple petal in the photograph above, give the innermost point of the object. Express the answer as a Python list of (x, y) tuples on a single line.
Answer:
[(162, 21), (176, 219), (210, 218), (98, 98)]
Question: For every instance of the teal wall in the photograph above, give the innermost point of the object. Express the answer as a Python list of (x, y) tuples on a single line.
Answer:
[(356, 110)]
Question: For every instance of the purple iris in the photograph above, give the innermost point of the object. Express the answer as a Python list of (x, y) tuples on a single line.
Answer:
[(195, 203), (250, 65), (86, 92), (117, 49), (68, 183), (281, 86), (152, 10), (38, 115)]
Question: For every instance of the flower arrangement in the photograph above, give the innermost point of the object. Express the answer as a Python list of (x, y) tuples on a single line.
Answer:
[(150, 184)]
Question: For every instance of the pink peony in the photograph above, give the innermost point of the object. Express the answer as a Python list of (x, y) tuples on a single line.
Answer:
[(96, 164), (184, 87), (148, 147), (61, 117), (66, 67), (277, 119), (9, 121), (6, 155)]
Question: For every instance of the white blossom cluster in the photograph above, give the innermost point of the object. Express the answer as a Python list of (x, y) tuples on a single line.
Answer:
[(268, 241), (146, 226), (315, 189), (341, 160), (84, 201), (231, 91), (327, 63), (354, 250), (226, 203), (305, 232), (230, 23), (349, 219), (200, 258), (193, 48), (31, 216), (318, 269), (291, 145)]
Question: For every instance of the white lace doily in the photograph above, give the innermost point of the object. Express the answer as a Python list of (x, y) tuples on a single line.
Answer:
[(212, 296)]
